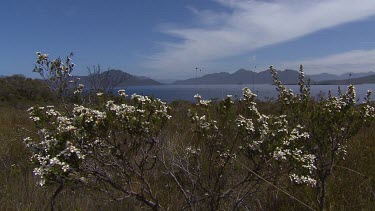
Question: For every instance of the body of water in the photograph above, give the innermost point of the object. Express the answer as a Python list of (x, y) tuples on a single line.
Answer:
[(170, 93)]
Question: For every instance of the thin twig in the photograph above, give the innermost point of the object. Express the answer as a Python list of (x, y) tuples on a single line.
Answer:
[(288, 194), (346, 168)]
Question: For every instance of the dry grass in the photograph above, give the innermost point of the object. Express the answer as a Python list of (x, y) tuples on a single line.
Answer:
[(351, 187)]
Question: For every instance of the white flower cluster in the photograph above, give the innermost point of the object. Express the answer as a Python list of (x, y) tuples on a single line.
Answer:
[(248, 94), (122, 110), (246, 124), (79, 89), (226, 154), (42, 56), (270, 137), (136, 118), (331, 119), (287, 97), (122, 93), (337, 105), (262, 131), (205, 126), (368, 112), (202, 102), (65, 141), (59, 148), (191, 151), (227, 103), (302, 179)]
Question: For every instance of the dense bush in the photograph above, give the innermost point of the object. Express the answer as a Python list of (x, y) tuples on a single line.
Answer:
[(17, 90), (234, 154)]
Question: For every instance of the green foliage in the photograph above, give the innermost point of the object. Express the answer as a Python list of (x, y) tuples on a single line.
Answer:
[(18, 90)]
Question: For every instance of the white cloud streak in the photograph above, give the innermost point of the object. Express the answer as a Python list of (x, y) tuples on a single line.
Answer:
[(250, 25), (352, 61)]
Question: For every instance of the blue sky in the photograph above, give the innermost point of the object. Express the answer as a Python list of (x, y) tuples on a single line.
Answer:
[(167, 39)]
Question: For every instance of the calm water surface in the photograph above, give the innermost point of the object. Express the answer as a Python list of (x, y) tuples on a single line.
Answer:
[(264, 91)]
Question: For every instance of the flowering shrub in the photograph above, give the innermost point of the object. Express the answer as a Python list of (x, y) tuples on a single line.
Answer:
[(57, 73), (212, 169), (116, 146), (330, 123), (92, 146)]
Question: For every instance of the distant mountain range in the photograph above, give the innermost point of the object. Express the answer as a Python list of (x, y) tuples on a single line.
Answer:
[(361, 80), (287, 76), (345, 76), (243, 76), (117, 78), (114, 78)]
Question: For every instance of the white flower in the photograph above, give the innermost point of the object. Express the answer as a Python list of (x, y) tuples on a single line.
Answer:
[(54, 161), (122, 93), (246, 92), (204, 102), (65, 167), (197, 96), (35, 119), (27, 139)]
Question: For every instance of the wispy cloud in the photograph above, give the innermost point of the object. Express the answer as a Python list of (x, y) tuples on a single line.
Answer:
[(249, 25), (352, 61)]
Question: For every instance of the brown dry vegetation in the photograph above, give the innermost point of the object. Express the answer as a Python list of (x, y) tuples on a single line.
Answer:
[(352, 186)]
